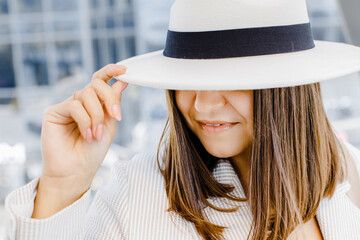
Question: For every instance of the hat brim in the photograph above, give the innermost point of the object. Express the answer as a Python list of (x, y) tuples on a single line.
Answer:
[(325, 61)]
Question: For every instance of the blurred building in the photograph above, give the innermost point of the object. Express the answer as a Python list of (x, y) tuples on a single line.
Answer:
[(50, 48), (333, 20)]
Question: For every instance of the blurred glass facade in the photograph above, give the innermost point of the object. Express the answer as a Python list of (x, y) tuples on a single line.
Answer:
[(49, 49), (341, 95), (55, 47)]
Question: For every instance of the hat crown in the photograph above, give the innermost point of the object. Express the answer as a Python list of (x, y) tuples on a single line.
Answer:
[(211, 15)]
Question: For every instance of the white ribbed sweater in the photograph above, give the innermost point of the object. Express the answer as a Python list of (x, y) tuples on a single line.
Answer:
[(133, 206)]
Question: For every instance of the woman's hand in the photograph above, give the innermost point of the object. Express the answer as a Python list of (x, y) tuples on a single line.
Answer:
[(76, 135)]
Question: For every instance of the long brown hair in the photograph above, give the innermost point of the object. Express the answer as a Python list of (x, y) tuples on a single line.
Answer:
[(296, 161)]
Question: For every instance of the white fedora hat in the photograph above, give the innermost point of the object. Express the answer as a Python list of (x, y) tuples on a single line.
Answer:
[(240, 44)]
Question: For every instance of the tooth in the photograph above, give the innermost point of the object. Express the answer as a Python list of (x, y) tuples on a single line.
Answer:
[(214, 125)]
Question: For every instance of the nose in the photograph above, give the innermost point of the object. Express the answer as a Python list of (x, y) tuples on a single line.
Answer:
[(208, 101)]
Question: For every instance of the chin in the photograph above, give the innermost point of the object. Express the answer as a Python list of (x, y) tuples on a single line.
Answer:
[(220, 152)]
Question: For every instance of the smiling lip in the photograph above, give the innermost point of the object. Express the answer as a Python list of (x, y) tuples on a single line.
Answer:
[(216, 129)]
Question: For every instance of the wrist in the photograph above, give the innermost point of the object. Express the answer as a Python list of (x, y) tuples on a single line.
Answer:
[(54, 194), (64, 188)]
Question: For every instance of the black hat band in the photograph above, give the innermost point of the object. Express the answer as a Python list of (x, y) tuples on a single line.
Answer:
[(239, 42)]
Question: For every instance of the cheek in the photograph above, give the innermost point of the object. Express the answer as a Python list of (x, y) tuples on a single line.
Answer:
[(183, 101), (243, 104), (247, 110)]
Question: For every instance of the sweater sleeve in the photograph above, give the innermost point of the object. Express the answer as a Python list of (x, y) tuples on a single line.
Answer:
[(104, 219)]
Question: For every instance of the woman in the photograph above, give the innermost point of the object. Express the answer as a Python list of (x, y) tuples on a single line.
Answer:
[(244, 154)]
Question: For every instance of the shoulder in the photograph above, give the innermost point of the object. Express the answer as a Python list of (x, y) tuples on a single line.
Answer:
[(131, 174), (141, 167), (354, 156), (144, 162), (353, 173), (353, 150)]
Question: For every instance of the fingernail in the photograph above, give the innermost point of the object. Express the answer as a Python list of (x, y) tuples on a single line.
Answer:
[(99, 132), (124, 87), (122, 67), (88, 135), (116, 112)]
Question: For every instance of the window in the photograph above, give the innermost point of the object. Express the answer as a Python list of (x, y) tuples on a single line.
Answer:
[(29, 5), (94, 3), (130, 46), (33, 25), (3, 7), (341, 95), (7, 78), (4, 28), (65, 5), (67, 24), (35, 65), (68, 58)]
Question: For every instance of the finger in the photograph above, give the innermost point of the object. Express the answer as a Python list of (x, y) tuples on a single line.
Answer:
[(109, 71), (95, 110), (119, 87), (107, 95), (75, 110)]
